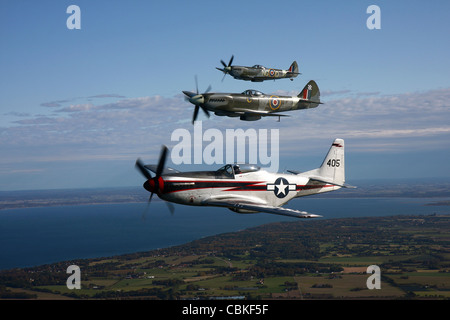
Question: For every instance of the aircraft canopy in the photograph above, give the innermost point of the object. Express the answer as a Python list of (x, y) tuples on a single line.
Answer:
[(231, 169), (252, 92)]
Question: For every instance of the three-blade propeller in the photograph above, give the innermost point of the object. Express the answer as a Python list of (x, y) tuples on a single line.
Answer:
[(198, 100)]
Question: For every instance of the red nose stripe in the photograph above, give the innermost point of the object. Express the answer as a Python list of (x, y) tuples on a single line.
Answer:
[(161, 185)]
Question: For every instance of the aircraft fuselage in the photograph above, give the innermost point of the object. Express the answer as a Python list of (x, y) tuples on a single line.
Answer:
[(265, 188), (235, 104), (259, 74)]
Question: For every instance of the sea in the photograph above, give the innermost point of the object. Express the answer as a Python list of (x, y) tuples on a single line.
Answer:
[(42, 235)]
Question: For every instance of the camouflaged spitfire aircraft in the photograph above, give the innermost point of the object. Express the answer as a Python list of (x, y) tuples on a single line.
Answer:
[(245, 188), (258, 73), (251, 105)]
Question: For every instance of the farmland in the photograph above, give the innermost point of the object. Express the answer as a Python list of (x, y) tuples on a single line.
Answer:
[(323, 259)]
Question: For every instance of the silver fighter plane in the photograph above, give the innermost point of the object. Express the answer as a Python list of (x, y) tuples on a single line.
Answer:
[(245, 188)]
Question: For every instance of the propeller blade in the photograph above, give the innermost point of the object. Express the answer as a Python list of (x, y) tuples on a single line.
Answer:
[(195, 114), (189, 93), (144, 213), (231, 60), (197, 100), (223, 63), (140, 166), (162, 161), (205, 111), (224, 76), (196, 83), (170, 206)]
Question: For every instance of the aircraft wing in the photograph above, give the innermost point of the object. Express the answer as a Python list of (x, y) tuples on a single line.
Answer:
[(233, 204), (256, 113)]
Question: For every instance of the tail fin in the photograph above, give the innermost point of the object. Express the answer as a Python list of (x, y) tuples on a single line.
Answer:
[(293, 69), (309, 96), (310, 92), (332, 169)]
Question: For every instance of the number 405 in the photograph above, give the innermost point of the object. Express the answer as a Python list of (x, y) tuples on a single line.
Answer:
[(334, 162)]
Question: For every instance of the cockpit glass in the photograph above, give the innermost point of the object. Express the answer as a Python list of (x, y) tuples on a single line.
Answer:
[(226, 170), (229, 170), (252, 92), (245, 168)]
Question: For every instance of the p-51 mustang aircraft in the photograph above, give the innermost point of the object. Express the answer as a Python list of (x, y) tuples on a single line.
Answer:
[(245, 188), (258, 73), (251, 105)]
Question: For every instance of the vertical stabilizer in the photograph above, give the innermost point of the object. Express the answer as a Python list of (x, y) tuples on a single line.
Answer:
[(310, 95), (333, 166), (293, 69)]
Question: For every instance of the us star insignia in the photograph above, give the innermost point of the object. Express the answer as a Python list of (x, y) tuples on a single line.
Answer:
[(281, 187)]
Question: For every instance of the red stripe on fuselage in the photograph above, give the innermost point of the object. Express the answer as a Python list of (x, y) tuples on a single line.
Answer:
[(221, 184)]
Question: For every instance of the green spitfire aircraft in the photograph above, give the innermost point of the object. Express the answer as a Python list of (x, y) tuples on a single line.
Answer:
[(258, 73), (251, 105)]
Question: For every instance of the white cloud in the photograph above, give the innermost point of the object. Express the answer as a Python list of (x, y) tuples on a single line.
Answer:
[(128, 127)]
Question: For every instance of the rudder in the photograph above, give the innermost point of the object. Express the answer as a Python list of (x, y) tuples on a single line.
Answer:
[(310, 92), (293, 69), (333, 166)]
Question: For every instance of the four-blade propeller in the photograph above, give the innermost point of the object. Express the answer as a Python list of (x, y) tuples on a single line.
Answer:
[(155, 184)]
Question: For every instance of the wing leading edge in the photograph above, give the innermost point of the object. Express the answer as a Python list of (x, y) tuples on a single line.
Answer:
[(235, 205)]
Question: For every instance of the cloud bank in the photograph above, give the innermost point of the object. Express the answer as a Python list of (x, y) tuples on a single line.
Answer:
[(131, 126), (83, 143)]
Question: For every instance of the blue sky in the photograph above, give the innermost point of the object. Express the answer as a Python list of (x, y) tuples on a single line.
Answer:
[(79, 106)]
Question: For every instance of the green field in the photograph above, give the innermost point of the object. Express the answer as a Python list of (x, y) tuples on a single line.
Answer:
[(320, 260)]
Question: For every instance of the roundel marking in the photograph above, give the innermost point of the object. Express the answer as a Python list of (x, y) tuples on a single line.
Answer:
[(274, 102), (272, 72)]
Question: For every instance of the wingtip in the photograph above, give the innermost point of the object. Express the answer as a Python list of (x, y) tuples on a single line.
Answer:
[(314, 216)]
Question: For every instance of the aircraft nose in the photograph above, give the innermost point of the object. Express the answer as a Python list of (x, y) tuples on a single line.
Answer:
[(149, 185), (197, 99), (154, 185)]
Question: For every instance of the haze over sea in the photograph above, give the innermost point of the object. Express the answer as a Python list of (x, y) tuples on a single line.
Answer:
[(36, 236)]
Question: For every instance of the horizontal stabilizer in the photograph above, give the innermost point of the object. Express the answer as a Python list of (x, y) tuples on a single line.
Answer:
[(329, 181)]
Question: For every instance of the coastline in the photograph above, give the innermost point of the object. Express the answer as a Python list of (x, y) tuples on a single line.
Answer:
[(422, 188)]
